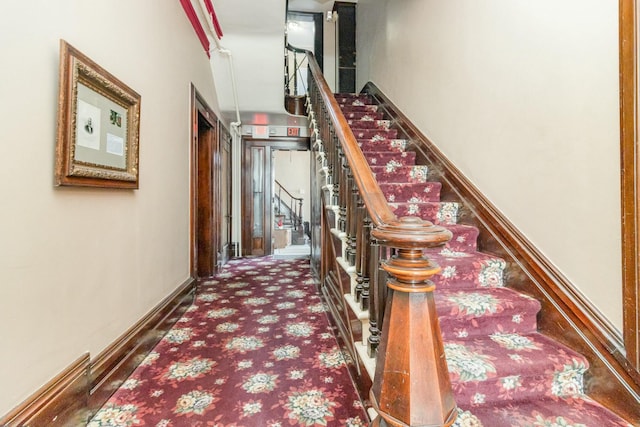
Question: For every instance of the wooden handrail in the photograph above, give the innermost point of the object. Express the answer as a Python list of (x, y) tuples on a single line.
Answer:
[(287, 191), (411, 386), (296, 211)]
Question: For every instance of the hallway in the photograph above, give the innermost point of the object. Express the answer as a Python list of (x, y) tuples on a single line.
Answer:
[(255, 349)]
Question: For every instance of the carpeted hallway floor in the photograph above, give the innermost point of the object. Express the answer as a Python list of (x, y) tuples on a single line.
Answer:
[(255, 349)]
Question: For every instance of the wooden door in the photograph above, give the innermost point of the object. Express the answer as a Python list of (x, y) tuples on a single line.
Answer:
[(205, 184), (257, 188), (257, 200), (346, 36)]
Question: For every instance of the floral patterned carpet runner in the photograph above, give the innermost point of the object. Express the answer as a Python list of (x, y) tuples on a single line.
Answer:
[(254, 350), (503, 372)]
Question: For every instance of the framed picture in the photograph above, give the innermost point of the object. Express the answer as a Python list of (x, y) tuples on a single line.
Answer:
[(98, 125)]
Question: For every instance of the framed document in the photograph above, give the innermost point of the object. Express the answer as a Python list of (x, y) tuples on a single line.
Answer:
[(98, 125)]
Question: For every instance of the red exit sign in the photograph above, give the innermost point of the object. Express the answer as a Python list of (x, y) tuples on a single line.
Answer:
[(293, 131)]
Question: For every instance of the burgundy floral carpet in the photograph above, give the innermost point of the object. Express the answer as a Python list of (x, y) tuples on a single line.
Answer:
[(503, 372), (255, 349)]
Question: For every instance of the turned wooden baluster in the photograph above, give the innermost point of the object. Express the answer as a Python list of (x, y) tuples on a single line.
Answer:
[(365, 297), (349, 227), (374, 298), (360, 236), (412, 385), (353, 225), (343, 194)]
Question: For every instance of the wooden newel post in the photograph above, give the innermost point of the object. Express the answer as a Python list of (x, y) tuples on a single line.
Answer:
[(411, 385)]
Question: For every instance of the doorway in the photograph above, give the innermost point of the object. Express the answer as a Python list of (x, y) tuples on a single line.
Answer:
[(258, 185), (205, 189)]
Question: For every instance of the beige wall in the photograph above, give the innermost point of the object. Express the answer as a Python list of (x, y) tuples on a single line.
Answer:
[(80, 266), (523, 97)]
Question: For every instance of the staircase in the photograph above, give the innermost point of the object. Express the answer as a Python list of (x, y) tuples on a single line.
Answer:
[(287, 211), (503, 371)]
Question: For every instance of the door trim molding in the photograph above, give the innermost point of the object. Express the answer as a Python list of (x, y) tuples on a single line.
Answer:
[(270, 144), (630, 188)]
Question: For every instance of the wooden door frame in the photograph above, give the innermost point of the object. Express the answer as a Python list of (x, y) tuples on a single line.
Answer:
[(200, 108), (225, 143), (318, 37), (270, 144), (630, 184)]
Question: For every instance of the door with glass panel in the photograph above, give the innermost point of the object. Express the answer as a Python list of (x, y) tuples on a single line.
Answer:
[(256, 215)]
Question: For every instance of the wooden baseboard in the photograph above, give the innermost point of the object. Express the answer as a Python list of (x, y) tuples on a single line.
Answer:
[(72, 397), (566, 315), (61, 402), (111, 367)]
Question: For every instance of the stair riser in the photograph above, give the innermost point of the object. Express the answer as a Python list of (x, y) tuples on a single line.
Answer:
[(381, 158), (375, 133), (394, 145), (464, 238), (513, 389), (369, 124), (399, 173), (364, 115), (358, 108), (455, 328), (435, 212), (481, 275), (404, 192), (346, 98)]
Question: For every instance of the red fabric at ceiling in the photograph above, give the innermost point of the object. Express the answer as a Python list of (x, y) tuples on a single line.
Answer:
[(197, 25), (214, 18)]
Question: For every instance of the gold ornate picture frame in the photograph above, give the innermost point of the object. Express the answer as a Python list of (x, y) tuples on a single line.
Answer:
[(98, 125)]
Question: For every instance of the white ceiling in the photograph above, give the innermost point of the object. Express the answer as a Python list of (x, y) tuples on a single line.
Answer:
[(254, 33)]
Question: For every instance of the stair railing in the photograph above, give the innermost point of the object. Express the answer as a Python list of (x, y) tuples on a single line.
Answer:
[(411, 386), (295, 62), (294, 207)]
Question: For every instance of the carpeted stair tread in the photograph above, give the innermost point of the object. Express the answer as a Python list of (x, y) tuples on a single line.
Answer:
[(416, 192), (364, 115), (463, 270), (578, 411), (398, 173), (467, 313), (397, 145), (369, 124), (464, 239), (353, 102), (381, 158), (506, 366), (375, 133), (436, 212)]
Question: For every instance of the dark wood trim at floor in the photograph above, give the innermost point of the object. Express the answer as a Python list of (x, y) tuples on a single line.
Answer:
[(112, 367), (74, 395), (61, 402), (566, 315)]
